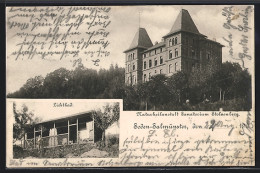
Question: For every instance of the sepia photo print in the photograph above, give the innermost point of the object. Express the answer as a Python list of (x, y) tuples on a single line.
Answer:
[(130, 86)]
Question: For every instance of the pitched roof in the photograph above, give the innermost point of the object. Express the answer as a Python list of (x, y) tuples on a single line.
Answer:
[(141, 40), (161, 44), (68, 117), (185, 23)]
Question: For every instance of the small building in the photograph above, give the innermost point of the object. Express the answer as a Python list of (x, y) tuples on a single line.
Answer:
[(73, 129)]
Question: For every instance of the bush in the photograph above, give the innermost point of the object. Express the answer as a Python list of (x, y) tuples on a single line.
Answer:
[(18, 152), (112, 140)]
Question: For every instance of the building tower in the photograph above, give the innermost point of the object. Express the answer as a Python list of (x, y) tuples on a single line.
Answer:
[(134, 63)]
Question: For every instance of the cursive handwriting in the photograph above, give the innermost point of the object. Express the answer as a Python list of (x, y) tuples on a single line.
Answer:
[(56, 33)]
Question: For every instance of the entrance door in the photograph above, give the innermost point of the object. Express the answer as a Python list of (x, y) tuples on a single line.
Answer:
[(73, 134)]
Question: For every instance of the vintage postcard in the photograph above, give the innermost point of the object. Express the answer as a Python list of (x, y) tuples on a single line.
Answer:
[(130, 86)]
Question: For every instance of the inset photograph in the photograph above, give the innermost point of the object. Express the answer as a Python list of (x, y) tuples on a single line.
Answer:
[(65, 129)]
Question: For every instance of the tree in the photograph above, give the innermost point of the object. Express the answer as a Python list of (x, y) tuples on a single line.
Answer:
[(158, 93), (178, 86), (56, 83), (23, 120), (106, 118)]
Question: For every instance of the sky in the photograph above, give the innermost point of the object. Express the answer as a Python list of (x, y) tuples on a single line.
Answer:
[(45, 110), (157, 20)]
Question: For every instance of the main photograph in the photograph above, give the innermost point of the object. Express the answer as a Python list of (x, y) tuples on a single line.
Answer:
[(181, 58)]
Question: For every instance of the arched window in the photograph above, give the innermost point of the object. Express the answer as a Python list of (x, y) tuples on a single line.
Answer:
[(134, 79), (170, 54), (150, 63), (176, 52), (176, 66), (176, 40), (145, 65), (133, 66), (170, 68), (155, 61), (170, 42), (133, 55), (161, 60), (161, 71), (145, 78)]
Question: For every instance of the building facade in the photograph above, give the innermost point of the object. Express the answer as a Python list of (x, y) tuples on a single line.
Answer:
[(184, 48)]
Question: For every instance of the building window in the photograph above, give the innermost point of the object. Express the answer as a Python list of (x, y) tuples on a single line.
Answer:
[(133, 66), (145, 78), (155, 71), (155, 51), (161, 60), (170, 68), (150, 63), (133, 55), (130, 80), (170, 42), (193, 67), (176, 41), (149, 53), (176, 52), (170, 54), (192, 53), (161, 71), (145, 65), (155, 61), (176, 66), (208, 56), (149, 76), (134, 79), (161, 50)]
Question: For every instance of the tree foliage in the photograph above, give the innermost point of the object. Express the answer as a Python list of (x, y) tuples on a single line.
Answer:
[(24, 119), (105, 118), (209, 84)]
